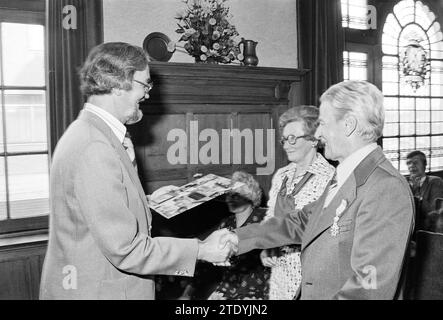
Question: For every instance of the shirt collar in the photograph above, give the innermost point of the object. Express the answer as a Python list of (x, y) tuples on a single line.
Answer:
[(319, 166), (422, 180), (116, 126), (345, 169)]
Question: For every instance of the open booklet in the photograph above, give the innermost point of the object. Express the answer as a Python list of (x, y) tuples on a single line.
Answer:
[(190, 195)]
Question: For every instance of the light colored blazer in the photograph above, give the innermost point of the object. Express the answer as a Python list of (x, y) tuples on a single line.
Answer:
[(365, 259), (99, 234)]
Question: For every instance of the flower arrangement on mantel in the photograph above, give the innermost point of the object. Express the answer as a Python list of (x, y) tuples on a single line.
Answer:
[(207, 34)]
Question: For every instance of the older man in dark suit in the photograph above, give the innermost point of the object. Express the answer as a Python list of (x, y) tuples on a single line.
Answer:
[(355, 237)]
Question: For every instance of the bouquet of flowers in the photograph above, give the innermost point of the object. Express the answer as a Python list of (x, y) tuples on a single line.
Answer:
[(207, 34)]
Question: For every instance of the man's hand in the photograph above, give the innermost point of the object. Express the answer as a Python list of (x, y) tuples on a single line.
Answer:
[(229, 240), (218, 247), (268, 258)]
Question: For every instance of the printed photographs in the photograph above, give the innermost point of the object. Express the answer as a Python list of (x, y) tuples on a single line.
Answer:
[(176, 201)]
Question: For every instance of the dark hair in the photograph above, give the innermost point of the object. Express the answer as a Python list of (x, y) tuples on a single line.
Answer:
[(420, 155), (308, 115), (111, 65)]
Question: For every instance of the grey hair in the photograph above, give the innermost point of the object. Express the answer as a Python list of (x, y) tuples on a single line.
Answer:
[(361, 99), (111, 65), (308, 115), (251, 190)]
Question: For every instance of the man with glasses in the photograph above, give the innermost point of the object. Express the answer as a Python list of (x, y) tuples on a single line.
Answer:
[(100, 245)]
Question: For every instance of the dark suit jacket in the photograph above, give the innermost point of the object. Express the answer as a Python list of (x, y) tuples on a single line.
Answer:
[(365, 259), (431, 189)]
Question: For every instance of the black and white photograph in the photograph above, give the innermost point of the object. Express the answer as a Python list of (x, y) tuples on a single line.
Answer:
[(200, 153)]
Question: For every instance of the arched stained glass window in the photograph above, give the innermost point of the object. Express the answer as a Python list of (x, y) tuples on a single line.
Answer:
[(412, 45)]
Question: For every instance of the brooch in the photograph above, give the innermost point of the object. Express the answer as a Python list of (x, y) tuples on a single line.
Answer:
[(338, 212)]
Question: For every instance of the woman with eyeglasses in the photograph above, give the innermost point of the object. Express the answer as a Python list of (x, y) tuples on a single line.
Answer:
[(299, 183)]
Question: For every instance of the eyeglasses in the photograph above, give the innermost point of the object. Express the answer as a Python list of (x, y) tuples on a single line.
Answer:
[(147, 86), (293, 139), (234, 196)]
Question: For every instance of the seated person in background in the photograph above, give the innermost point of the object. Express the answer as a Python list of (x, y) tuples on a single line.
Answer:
[(246, 278), (425, 188)]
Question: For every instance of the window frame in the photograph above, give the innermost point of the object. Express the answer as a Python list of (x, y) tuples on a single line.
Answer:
[(20, 12), (385, 7), (366, 41), (370, 41), (364, 48)]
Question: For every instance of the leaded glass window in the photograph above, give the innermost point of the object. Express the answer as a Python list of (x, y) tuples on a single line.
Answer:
[(414, 114)]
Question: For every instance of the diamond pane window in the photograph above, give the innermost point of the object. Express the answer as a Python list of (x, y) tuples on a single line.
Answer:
[(412, 45)]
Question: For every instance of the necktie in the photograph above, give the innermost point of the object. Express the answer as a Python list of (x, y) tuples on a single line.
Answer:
[(332, 190), (129, 147)]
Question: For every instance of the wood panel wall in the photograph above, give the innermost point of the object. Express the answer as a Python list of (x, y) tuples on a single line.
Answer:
[(20, 270), (217, 97)]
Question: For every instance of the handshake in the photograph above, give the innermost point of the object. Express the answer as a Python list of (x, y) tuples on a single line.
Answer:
[(218, 247)]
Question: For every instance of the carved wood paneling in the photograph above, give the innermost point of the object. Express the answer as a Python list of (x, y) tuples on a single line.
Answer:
[(20, 270)]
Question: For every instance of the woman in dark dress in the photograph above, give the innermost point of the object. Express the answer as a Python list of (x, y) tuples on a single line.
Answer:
[(246, 278)]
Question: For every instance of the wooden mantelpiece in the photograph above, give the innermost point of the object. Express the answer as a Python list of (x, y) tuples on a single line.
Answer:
[(218, 97), (182, 83)]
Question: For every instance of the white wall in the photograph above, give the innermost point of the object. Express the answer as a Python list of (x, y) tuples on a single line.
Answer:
[(270, 22)]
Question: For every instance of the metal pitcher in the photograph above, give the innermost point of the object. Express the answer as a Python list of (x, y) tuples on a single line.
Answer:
[(250, 57)]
